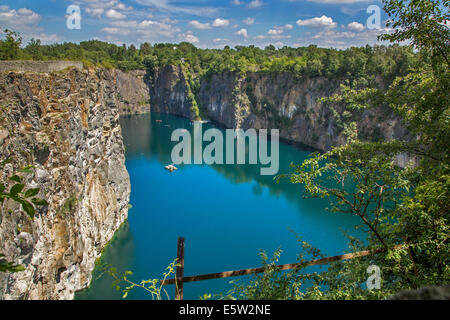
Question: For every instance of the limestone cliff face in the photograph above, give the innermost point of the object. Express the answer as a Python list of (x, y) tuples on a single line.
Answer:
[(66, 124), (169, 92), (272, 100), (133, 95)]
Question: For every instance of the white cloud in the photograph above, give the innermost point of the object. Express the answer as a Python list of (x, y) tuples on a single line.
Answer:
[(333, 38), (121, 6), (236, 2), (45, 38), (249, 21), (255, 4), (220, 40), (338, 1), (189, 37), (275, 31), (219, 22), (198, 25), (115, 31), (114, 14), (317, 22), (21, 20), (166, 6), (356, 26), (138, 31), (242, 33), (95, 12)]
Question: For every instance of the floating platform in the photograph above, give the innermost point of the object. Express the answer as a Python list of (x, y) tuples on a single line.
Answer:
[(171, 168)]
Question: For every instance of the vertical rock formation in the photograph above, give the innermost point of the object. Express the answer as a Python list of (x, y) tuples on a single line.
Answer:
[(66, 124), (273, 101), (132, 92)]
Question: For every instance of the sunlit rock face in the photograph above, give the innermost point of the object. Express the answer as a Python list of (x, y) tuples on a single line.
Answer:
[(132, 92), (66, 124), (274, 101)]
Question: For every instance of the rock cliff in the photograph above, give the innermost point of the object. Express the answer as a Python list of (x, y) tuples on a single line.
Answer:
[(272, 100), (66, 124), (133, 95)]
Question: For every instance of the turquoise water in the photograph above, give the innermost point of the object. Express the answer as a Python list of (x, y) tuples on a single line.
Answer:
[(227, 214)]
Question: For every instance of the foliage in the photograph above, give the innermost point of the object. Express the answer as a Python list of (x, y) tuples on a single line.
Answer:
[(14, 189), (153, 286), (10, 45), (404, 211)]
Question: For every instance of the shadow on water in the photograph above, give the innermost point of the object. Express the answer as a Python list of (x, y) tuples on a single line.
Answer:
[(122, 245), (226, 212)]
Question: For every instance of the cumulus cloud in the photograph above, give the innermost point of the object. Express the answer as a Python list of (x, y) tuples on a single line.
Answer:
[(115, 31), (322, 22), (242, 33), (356, 26), (141, 30), (217, 40), (249, 21), (189, 37), (97, 12), (288, 26), (219, 22), (255, 4), (19, 20), (342, 39), (338, 1), (114, 14), (26, 22), (198, 25), (275, 31), (173, 7)]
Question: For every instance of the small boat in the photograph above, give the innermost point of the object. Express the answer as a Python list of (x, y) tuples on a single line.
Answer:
[(159, 121), (171, 168), (167, 125)]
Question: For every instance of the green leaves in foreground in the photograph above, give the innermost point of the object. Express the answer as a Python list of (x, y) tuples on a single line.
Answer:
[(152, 286), (26, 197), (6, 266)]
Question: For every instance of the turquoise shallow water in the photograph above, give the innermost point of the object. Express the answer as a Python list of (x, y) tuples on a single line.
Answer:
[(227, 214)]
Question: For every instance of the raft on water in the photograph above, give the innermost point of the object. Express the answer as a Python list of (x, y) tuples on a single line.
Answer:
[(171, 167)]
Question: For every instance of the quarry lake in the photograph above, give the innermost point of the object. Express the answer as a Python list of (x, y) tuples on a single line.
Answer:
[(227, 214)]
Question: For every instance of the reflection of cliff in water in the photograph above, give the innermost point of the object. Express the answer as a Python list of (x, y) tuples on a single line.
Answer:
[(119, 252)]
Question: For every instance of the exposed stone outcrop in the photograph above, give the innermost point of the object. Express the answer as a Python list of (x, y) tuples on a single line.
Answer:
[(133, 92), (169, 92), (66, 124), (425, 293), (39, 66), (273, 101)]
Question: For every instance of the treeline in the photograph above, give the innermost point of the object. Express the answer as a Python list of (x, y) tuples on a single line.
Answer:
[(354, 63)]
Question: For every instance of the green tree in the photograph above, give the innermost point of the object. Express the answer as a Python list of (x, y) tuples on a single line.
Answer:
[(14, 189), (10, 45), (404, 211)]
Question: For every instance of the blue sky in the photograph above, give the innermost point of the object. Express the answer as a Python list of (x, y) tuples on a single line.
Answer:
[(207, 24)]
